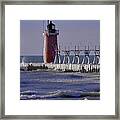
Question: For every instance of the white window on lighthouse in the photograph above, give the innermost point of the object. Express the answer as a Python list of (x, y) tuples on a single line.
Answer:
[(53, 27)]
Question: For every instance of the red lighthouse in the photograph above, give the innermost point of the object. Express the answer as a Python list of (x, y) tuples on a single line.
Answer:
[(50, 43)]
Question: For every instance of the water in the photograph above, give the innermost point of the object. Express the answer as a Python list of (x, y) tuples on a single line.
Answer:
[(33, 59), (51, 85)]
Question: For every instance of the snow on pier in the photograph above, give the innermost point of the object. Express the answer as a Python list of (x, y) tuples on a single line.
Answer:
[(64, 67)]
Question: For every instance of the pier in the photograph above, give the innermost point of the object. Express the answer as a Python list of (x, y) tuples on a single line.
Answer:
[(75, 67), (66, 65), (63, 67)]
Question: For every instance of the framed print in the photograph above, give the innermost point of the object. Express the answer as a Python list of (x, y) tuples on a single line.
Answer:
[(59, 60)]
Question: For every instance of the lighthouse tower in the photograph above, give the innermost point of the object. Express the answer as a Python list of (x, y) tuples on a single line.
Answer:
[(50, 42)]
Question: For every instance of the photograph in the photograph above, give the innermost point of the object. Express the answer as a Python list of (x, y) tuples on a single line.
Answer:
[(59, 59), (55, 58)]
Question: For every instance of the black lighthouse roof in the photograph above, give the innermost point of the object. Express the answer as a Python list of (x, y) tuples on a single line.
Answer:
[(51, 26)]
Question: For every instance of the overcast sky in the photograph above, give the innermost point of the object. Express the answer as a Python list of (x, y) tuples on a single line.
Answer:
[(71, 33)]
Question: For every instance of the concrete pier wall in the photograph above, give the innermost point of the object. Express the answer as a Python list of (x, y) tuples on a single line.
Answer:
[(74, 67), (67, 67)]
